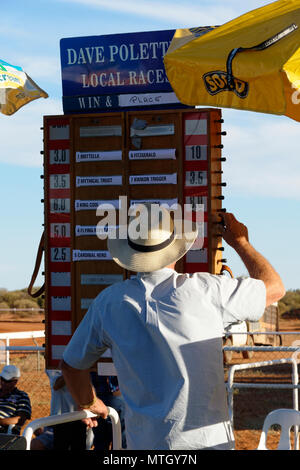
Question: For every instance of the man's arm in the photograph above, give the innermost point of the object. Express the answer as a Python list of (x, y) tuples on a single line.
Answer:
[(8, 421), (236, 235), (80, 386), (19, 419), (59, 383)]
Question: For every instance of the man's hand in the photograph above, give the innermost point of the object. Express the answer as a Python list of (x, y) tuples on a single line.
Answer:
[(234, 232), (236, 235), (99, 409)]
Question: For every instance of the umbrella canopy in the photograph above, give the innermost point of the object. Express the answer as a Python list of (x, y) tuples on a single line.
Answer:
[(250, 63), (16, 88)]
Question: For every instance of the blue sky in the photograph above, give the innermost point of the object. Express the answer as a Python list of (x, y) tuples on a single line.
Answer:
[(263, 163)]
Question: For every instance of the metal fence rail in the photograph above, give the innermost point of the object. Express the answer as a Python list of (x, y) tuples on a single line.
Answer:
[(14, 309), (5, 347)]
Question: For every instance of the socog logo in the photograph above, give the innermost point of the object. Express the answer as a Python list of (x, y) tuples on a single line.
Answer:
[(217, 81)]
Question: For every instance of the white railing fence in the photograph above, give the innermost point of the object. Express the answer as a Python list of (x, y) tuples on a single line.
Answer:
[(5, 347)]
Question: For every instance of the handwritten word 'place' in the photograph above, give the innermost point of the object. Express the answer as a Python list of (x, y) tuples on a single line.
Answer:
[(92, 205), (152, 154), (98, 156)]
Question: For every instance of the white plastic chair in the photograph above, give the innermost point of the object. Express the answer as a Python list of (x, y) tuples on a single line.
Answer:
[(74, 416), (286, 418)]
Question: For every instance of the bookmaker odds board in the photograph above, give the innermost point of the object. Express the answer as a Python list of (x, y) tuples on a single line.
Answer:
[(164, 156)]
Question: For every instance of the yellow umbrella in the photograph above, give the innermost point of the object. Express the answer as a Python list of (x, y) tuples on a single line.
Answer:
[(16, 88), (250, 63)]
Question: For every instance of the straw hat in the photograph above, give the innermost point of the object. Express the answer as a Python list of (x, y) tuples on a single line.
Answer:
[(153, 240)]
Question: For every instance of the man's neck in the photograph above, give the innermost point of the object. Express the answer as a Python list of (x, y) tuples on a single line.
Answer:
[(171, 266)]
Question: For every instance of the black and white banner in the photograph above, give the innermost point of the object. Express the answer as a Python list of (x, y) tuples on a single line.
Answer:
[(89, 255), (155, 154), (153, 179), (100, 279), (61, 303), (196, 178), (82, 205), (99, 156), (114, 180), (93, 230)]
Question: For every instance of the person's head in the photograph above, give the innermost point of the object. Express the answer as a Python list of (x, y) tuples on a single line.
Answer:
[(9, 377), (153, 240)]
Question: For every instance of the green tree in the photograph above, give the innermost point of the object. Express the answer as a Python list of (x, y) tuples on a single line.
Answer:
[(290, 302)]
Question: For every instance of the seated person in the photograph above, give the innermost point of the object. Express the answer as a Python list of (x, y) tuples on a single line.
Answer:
[(43, 439), (66, 436), (107, 387), (15, 407)]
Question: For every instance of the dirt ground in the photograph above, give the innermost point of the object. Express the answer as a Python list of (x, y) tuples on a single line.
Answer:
[(246, 439)]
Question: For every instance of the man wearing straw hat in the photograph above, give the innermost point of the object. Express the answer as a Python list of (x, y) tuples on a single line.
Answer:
[(165, 332)]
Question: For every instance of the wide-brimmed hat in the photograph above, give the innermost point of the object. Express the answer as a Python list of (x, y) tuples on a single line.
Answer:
[(153, 239), (10, 372)]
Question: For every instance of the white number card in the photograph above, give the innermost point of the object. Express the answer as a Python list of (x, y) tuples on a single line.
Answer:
[(60, 255), (98, 156), (58, 230), (61, 181), (100, 279), (156, 154), (61, 279), (59, 157), (85, 303), (59, 132), (197, 256), (196, 127), (61, 327), (60, 205), (61, 303), (197, 202), (196, 178), (81, 205), (196, 152)]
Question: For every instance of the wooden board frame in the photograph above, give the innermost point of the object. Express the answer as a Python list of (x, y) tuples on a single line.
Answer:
[(60, 324)]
